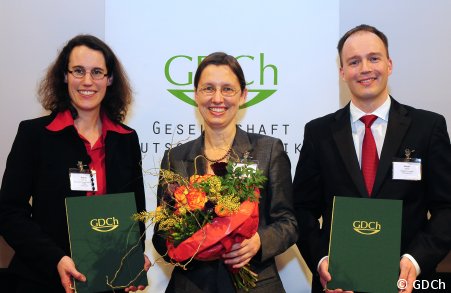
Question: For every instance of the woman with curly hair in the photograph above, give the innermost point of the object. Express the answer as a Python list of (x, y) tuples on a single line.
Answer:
[(88, 94)]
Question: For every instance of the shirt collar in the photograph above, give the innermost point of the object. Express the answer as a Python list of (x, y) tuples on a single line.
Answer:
[(381, 112), (64, 119)]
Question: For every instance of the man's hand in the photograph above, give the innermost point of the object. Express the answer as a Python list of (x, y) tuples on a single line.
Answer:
[(324, 276), (66, 270), (407, 275), (323, 271), (241, 253)]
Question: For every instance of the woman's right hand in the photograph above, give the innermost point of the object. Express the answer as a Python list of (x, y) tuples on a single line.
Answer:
[(67, 271), (147, 265)]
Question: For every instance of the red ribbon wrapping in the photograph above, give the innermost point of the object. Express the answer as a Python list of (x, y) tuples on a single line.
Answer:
[(217, 237)]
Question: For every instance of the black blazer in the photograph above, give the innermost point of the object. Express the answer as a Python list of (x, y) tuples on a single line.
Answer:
[(277, 225), (37, 167), (328, 167)]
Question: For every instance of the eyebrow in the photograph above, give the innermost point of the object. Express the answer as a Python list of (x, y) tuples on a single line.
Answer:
[(369, 54), (375, 53), (213, 84), (81, 66)]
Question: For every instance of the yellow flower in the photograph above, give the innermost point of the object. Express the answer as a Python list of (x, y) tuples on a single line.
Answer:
[(227, 206), (215, 184), (168, 223), (181, 210), (199, 178)]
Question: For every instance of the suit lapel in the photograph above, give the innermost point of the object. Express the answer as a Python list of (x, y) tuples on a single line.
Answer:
[(194, 163), (111, 141), (341, 131), (398, 124), (241, 145)]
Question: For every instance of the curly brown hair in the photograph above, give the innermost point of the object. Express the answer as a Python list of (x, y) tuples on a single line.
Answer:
[(53, 92)]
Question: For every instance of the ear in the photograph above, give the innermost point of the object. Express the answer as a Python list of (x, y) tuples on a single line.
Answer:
[(243, 97), (65, 77), (342, 74), (390, 66), (195, 96), (110, 81)]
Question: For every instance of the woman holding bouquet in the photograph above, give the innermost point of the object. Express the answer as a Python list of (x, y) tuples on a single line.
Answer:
[(220, 89)]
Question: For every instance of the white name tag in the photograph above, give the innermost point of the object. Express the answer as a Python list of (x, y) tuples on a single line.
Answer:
[(83, 181), (249, 165), (407, 170)]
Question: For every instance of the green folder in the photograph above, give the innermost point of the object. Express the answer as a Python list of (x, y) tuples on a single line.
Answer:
[(101, 233), (364, 248)]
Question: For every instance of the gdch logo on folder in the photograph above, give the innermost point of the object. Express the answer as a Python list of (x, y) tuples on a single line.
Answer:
[(104, 225), (367, 228)]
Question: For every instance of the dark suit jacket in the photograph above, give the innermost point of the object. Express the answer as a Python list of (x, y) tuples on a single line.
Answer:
[(37, 167), (277, 225), (328, 167)]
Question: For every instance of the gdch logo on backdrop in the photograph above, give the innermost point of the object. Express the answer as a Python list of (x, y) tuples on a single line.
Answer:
[(173, 75)]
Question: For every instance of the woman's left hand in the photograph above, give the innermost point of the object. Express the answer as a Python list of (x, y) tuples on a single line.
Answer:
[(147, 265), (241, 253), (67, 271)]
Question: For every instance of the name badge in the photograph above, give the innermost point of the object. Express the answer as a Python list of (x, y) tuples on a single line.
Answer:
[(246, 165), (407, 169), (82, 179), (86, 181), (249, 164)]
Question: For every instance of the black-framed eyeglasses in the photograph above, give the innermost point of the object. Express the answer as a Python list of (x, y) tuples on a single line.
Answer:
[(226, 91), (80, 72)]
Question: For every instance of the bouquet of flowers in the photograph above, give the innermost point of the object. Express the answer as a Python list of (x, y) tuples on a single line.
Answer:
[(201, 217)]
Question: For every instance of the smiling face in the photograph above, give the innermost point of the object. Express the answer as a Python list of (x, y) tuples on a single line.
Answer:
[(217, 110), (86, 94), (365, 69)]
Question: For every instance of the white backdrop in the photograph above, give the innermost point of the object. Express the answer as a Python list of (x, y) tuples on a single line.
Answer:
[(296, 39), (280, 51)]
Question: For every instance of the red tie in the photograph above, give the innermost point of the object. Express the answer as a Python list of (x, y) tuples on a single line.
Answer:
[(370, 159)]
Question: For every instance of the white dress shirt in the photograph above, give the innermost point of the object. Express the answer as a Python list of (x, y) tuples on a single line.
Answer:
[(378, 128)]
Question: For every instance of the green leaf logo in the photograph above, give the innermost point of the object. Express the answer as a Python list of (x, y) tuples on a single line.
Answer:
[(261, 96), (181, 94)]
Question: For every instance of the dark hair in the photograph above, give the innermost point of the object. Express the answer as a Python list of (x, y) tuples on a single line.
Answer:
[(360, 28), (53, 92), (221, 58)]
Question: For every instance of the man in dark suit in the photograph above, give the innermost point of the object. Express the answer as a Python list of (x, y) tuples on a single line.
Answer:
[(332, 163)]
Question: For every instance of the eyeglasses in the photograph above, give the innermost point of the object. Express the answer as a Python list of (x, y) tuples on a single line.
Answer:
[(80, 72), (226, 91)]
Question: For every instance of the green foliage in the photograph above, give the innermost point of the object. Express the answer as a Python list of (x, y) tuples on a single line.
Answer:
[(242, 181)]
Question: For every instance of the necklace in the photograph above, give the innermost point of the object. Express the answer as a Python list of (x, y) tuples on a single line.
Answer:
[(221, 158)]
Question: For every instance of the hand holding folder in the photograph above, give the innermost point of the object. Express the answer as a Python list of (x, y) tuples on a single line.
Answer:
[(364, 247), (105, 242)]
